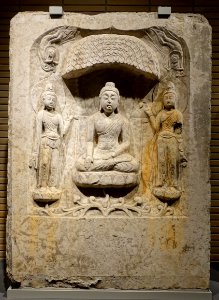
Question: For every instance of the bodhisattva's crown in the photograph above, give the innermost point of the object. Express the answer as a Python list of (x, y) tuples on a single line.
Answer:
[(49, 90), (170, 88)]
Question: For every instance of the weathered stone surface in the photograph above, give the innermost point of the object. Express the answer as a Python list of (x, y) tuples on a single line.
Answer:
[(109, 151)]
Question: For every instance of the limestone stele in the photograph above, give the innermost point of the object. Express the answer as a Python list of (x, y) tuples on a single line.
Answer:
[(109, 127)]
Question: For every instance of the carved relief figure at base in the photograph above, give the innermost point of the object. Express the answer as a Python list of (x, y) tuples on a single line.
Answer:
[(48, 148), (107, 161), (169, 156)]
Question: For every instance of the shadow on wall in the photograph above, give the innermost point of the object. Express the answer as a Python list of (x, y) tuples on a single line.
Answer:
[(4, 280), (129, 82)]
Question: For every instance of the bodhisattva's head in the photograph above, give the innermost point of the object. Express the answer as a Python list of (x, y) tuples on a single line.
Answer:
[(109, 98), (49, 98), (169, 100), (169, 97)]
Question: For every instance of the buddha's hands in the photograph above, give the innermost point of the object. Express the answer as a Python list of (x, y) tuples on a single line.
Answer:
[(108, 155), (88, 162)]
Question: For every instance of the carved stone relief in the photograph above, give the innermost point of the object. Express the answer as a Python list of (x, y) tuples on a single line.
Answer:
[(108, 142), (108, 159), (168, 156), (108, 49), (169, 40), (111, 154), (48, 47), (48, 151)]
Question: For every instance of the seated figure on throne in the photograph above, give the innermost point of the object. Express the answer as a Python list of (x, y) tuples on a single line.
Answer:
[(108, 142)]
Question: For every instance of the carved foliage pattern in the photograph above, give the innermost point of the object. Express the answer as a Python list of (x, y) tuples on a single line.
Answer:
[(108, 207)]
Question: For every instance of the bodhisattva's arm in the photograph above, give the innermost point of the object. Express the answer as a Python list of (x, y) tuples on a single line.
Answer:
[(67, 123), (125, 140), (154, 121), (61, 128), (37, 139), (178, 131)]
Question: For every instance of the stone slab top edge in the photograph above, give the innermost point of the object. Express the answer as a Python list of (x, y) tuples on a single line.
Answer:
[(118, 20)]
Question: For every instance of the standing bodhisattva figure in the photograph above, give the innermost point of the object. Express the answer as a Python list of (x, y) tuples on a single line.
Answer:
[(167, 126), (48, 141)]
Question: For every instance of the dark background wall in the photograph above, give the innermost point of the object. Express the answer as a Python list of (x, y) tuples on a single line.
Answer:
[(210, 9)]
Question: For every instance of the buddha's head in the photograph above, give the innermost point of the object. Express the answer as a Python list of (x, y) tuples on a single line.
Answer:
[(49, 97), (169, 97), (109, 98)]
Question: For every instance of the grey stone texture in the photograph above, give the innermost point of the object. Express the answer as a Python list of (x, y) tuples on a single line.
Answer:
[(125, 205)]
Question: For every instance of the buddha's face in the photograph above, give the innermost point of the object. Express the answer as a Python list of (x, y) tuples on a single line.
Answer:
[(169, 100), (49, 101), (109, 101)]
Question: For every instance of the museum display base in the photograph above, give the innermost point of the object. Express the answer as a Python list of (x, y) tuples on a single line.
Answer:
[(65, 293)]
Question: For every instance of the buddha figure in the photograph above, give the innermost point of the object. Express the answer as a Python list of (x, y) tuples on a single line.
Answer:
[(167, 127), (108, 137)]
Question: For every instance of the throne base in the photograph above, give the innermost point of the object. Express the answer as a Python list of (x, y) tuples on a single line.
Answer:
[(105, 179)]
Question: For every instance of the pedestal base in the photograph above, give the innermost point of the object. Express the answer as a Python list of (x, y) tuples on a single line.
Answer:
[(46, 194), (108, 294), (105, 179)]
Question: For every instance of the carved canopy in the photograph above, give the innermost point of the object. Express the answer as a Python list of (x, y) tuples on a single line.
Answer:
[(110, 49)]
